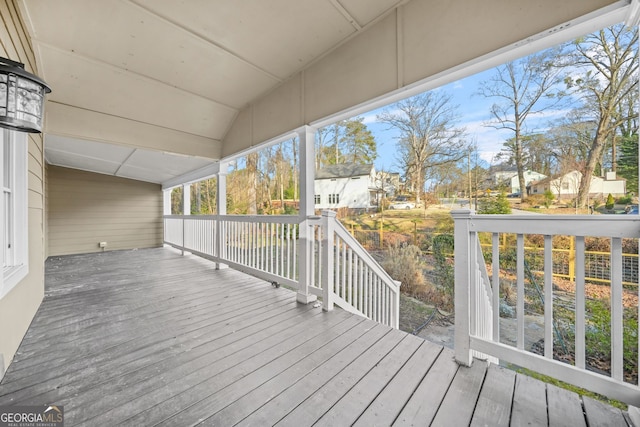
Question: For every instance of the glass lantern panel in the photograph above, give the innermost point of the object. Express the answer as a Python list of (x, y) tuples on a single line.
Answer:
[(11, 98), (3, 93), (30, 99)]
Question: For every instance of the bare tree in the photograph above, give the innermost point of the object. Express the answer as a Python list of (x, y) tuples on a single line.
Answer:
[(428, 134), (604, 71), (521, 86)]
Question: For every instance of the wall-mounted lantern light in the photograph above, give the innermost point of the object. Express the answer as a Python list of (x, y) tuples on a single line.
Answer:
[(21, 98)]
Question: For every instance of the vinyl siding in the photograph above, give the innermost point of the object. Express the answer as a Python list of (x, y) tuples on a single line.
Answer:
[(18, 307), (87, 208)]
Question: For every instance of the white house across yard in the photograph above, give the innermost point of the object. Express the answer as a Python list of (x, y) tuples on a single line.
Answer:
[(567, 185), (346, 185), (510, 179)]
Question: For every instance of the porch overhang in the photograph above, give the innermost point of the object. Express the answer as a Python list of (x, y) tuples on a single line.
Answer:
[(214, 80)]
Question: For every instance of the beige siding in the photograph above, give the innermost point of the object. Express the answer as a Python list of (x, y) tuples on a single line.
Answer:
[(87, 208), (18, 307)]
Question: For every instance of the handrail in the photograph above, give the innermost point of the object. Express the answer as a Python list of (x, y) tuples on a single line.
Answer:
[(344, 234)]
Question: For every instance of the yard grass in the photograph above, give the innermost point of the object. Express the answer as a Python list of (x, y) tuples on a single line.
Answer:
[(399, 221)]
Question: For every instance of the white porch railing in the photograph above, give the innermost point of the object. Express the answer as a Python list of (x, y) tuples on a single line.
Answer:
[(477, 304), (343, 273), (346, 275)]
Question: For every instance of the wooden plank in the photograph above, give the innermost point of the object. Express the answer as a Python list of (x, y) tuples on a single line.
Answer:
[(601, 415), (529, 402), (213, 394), (126, 343), (564, 408), (60, 333), (349, 408), (425, 401), (133, 371), (459, 402), (496, 397), (127, 390), (326, 396), (279, 406), (217, 372), (253, 399), (387, 405)]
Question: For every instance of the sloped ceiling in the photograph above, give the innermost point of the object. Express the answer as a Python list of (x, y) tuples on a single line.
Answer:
[(149, 89), (134, 78)]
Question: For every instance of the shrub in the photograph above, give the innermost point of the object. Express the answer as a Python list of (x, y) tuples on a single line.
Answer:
[(444, 271), (610, 202), (625, 200), (495, 205), (404, 263), (548, 198)]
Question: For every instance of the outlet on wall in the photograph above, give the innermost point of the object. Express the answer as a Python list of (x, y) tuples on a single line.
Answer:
[(102, 244)]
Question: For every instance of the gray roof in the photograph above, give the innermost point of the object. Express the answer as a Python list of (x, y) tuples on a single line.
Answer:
[(343, 170)]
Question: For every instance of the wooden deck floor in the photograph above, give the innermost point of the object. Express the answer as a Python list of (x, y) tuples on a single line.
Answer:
[(152, 338)]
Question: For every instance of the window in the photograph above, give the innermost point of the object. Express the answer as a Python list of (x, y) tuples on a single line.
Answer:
[(13, 212), (317, 198), (565, 185), (334, 199)]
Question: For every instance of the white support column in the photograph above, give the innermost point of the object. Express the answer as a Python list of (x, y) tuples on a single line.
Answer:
[(221, 193), (166, 210), (186, 210), (462, 257), (306, 137), (166, 201), (328, 265), (221, 203), (186, 199)]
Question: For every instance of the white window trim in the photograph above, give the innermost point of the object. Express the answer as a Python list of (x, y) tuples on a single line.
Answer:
[(12, 275)]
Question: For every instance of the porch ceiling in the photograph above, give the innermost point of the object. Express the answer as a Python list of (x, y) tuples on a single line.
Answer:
[(135, 78)]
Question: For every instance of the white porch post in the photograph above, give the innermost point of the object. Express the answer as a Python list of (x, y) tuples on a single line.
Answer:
[(186, 210), (305, 243), (462, 290), (166, 201), (186, 199), (221, 203), (166, 210)]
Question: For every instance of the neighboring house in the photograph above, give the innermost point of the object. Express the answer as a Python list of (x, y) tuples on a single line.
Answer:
[(567, 185), (345, 185), (387, 184), (510, 179), (500, 174)]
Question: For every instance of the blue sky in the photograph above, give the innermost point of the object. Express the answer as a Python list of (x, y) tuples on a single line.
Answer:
[(474, 112)]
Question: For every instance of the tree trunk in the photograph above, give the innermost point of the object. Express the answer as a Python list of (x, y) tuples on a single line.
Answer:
[(592, 159), (252, 178)]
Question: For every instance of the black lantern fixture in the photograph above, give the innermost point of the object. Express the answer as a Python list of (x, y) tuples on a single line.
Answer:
[(21, 98)]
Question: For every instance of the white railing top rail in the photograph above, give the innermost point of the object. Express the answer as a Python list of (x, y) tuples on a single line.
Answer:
[(623, 226), (277, 219)]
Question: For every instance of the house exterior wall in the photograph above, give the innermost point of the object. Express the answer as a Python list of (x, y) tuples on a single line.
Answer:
[(87, 208), (353, 192), (529, 177), (18, 307), (567, 186), (615, 188)]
